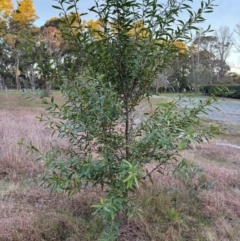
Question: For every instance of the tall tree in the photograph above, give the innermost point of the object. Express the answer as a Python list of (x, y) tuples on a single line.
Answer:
[(19, 20), (179, 66), (24, 16), (6, 7), (175, 76), (203, 60), (209, 55), (237, 40), (223, 46), (28, 41)]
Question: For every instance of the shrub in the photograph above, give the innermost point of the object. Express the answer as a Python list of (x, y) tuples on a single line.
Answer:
[(230, 91), (107, 146)]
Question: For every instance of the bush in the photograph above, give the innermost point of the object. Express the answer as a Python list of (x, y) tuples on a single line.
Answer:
[(230, 91), (108, 148)]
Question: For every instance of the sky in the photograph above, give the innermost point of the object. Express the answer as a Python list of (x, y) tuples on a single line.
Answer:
[(226, 13)]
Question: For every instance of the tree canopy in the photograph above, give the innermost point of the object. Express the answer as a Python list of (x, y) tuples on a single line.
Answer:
[(24, 16)]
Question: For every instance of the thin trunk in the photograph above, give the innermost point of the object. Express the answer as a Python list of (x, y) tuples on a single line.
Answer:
[(126, 100), (32, 78), (193, 67), (211, 75), (16, 73), (127, 127)]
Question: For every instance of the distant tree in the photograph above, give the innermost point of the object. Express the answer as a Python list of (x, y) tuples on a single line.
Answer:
[(175, 76), (237, 40), (15, 23), (6, 7), (24, 16), (59, 45), (208, 56), (223, 46), (235, 77), (28, 54), (202, 60), (179, 66)]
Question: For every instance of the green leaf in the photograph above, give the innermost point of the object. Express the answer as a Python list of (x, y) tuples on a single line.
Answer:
[(73, 20), (21, 142), (182, 145), (56, 7), (70, 7)]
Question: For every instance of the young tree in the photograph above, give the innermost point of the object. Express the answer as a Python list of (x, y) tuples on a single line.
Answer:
[(108, 146)]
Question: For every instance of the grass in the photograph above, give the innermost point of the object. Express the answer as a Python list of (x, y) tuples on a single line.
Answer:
[(174, 209), (16, 100)]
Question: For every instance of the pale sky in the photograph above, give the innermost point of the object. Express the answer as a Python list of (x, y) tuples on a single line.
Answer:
[(227, 13)]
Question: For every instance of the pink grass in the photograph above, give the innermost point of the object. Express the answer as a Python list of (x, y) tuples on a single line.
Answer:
[(21, 207), (14, 126)]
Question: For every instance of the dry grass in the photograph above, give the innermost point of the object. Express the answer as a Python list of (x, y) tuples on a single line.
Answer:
[(15, 125), (32, 213), (16, 100), (222, 202), (169, 211)]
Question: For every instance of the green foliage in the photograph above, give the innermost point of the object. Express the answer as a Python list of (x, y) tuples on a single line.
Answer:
[(236, 79), (192, 177), (109, 147), (230, 91)]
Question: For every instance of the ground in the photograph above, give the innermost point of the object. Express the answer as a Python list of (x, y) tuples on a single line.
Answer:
[(202, 205)]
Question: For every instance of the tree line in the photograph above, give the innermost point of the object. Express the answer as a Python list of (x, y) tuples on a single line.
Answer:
[(32, 57)]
